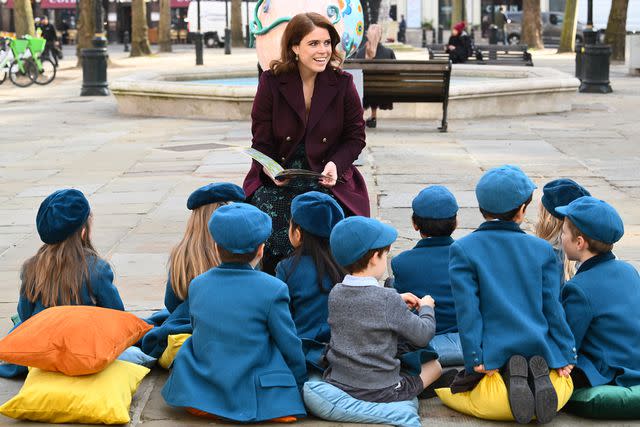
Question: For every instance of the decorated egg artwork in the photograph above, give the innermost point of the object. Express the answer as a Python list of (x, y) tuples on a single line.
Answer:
[(270, 18)]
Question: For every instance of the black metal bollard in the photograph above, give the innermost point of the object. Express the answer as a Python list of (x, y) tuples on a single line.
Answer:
[(595, 69), (424, 37), (433, 35), (227, 41), (440, 30), (247, 39), (198, 40), (493, 34), (94, 71), (579, 54), (126, 40)]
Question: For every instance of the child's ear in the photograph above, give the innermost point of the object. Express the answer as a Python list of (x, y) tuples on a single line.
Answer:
[(415, 226), (260, 252)]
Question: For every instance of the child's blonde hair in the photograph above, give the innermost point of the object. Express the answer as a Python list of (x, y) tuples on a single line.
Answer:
[(55, 274), (195, 253), (549, 228)]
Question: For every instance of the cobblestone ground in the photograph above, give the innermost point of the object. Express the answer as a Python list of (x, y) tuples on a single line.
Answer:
[(138, 172)]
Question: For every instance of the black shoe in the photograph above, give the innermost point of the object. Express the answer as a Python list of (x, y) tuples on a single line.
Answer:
[(520, 396), (371, 123), (544, 394), (444, 381)]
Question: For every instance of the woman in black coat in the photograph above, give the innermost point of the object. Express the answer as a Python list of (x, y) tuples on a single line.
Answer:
[(459, 46), (373, 49)]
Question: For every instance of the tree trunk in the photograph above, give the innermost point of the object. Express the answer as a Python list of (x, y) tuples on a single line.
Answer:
[(456, 12), (531, 24), (86, 28), (616, 28), (568, 37), (23, 18), (237, 39), (164, 27), (139, 29)]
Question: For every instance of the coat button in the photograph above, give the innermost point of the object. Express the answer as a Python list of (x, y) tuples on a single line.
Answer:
[(282, 159), (324, 139), (573, 349), (288, 138)]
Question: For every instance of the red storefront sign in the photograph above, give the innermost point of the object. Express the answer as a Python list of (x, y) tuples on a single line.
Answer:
[(58, 4), (9, 4), (180, 3)]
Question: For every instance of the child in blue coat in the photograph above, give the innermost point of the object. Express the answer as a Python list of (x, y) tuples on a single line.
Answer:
[(559, 192), (310, 272), (244, 361), (370, 324), (601, 301), (66, 270), (424, 270), (507, 297)]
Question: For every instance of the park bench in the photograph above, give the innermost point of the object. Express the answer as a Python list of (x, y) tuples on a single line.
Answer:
[(388, 80), (491, 54)]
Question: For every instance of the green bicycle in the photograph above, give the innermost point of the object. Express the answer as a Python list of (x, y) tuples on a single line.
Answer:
[(21, 72), (45, 68)]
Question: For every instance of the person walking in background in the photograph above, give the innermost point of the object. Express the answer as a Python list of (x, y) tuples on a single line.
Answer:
[(50, 35), (373, 49), (402, 30), (500, 20)]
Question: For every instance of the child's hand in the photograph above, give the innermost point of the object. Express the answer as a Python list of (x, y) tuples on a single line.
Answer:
[(565, 371), (480, 369), (411, 300), (427, 300)]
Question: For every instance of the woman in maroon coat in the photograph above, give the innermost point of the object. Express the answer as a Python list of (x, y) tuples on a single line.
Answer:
[(306, 114)]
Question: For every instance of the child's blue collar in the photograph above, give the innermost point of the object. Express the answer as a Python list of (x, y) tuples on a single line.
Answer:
[(500, 225), (235, 266), (593, 261), (435, 241)]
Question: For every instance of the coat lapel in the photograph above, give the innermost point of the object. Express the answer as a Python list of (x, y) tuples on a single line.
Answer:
[(324, 91), (291, 89)]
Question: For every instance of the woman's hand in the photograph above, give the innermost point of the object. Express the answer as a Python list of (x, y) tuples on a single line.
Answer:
[(480, 369), (330, 173), (279, 183)]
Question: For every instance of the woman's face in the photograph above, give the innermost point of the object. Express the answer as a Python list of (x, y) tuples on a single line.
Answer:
[(454, 32), (314, 50)]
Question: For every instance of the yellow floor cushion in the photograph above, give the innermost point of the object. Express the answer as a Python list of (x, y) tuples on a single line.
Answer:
[(102, 398), (174, 342), (489, 400)]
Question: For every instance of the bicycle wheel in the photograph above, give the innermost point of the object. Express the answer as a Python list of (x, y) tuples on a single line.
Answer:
[(46, 74), (22, 78)]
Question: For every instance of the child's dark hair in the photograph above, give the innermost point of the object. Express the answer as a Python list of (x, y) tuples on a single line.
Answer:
[(363, 262), (320, 252), (435, 227), (227, 256), (595, 246), (507, 216)]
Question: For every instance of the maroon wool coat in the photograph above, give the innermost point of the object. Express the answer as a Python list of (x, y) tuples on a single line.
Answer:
[(334, 132)]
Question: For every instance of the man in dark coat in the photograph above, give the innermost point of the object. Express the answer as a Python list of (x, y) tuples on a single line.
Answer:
[(50, 35)]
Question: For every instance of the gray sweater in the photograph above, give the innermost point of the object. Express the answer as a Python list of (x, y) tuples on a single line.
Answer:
[(366, 322)]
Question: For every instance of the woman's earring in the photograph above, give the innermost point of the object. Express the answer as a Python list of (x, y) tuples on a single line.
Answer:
[(297, 57)]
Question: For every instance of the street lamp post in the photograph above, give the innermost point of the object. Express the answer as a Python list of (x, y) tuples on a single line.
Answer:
[(199, 39), (94, 60), (595, 60)]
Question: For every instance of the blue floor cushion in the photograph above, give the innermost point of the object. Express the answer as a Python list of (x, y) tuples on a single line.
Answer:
[(606, 402), (137, 356), (330, 403)]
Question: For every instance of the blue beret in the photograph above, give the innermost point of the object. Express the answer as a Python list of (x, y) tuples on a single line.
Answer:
[(353, 237), (217, 192), (595, 218), (316, 213), (239, 228), (561, 192), (435, 202), (503, 189), (62, 214)]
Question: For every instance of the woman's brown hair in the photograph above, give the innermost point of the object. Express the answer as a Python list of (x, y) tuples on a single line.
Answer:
[(549, 228), (195, 253), (55, 274), (299, 26)]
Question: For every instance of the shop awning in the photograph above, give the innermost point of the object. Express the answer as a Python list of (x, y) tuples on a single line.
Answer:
[(58, 4), (179, 3)]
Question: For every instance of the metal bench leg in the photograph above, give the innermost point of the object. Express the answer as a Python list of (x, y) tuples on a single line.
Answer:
[(445, 104)]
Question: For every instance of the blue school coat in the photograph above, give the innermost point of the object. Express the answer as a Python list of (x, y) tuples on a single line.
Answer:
[(171, 300), (103, 291), (424, 270), (507, 297), (244, 360), (602, 304), (309, 304)]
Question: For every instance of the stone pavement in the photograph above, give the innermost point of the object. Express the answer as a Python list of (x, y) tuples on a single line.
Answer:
[(138, 172)]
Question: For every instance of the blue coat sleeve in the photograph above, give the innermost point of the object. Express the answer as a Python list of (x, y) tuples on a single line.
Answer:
[(464, 286), (282, 274), (552, 308), (171, 300), (578, 311), (25, 308), (103, 289), (283, 331)]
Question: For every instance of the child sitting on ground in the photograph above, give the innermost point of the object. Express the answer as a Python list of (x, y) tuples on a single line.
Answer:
[(424, 270), (311, 271), (244, 361), (66, 270), (506, 291), (601, 301), (367, 321), (559, 192)]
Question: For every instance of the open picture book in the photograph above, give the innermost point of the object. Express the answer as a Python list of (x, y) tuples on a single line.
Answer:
[(275, 171)]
